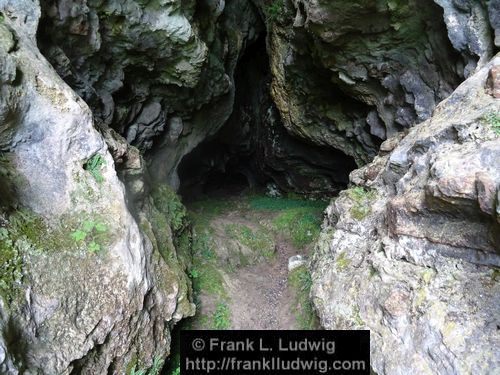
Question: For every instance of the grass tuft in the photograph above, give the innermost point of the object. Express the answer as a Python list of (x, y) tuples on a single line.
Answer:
[(259, 241), (155, 368), (300, 281), (283, 204), (221, 318), (299, 219)]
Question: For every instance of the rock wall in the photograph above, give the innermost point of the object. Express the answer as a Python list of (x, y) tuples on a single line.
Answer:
[(82, 289), (348, 75), (411, 251), (158, 72), (345, 76), (152, 79)]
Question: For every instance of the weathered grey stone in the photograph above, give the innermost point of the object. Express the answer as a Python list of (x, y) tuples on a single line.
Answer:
[(295, 262), (411, 252), (93, 305), (344, 62), (494, 13), (469, 29)]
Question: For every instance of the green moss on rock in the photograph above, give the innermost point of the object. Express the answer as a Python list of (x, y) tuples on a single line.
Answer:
[(362, 199), (169, 204)]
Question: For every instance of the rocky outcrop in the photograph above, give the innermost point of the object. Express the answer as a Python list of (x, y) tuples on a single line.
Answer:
[(158, 78), (158, 72), (344, 77), (348, 75), (82, 289), (411, 251)]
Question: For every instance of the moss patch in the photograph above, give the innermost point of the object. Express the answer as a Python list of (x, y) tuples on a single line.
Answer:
[(342, 261), (23, 232), (170, 205), (259, 240), (362, 200), (301, 225), (11, 265), (492, 119)]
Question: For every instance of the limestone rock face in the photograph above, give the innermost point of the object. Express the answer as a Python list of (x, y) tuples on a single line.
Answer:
[(82, 290), (158, 72), (351, 74), (410, 251), (344, 76)]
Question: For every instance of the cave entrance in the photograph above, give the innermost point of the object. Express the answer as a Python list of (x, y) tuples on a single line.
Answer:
[(253, 149), (225, 164), (214, 169)]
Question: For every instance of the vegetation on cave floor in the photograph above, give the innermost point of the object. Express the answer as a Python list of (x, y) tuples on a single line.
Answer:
[(239, 270)]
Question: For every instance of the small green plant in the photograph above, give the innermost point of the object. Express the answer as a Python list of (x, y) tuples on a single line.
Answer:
[(275, 10), (222, 316), (362, 199), (94, 166), (194, 274), (493, 120), (300, 281), (169, 204), (92, 233)]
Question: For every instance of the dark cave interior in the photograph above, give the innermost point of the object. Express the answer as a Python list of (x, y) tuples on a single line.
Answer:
[(253, 148)]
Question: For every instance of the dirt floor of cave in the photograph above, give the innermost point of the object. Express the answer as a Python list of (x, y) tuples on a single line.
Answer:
[(260, 295), (255, 292)]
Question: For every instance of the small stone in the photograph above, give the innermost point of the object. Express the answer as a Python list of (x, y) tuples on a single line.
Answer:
[(296, 261)]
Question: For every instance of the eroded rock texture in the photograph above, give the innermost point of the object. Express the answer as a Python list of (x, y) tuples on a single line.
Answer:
[(410, 251), (82, 290), (350, 74), (344, 76), (295, 92), (159, 72)]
